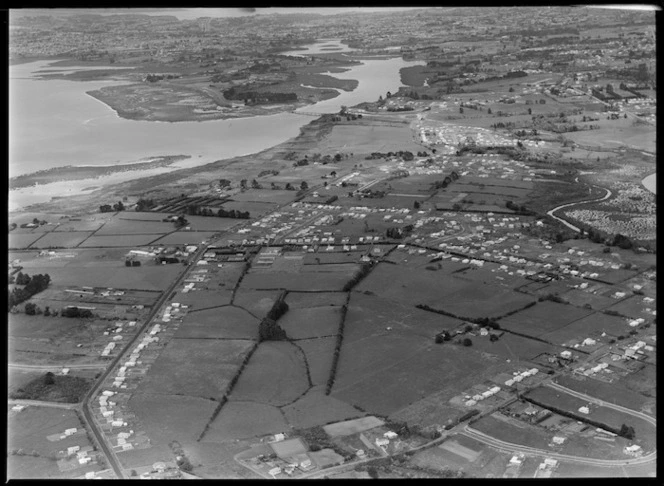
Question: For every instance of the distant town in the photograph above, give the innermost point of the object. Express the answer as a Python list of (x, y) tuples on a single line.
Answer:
[(452, 278)]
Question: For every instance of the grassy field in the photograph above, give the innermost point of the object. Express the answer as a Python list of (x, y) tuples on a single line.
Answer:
[(367, 138), (203, 299), (264, 195), (111, 274), (299, 300), (33, 339), (644, 432), (512, 347), (245, 419), (122, 226), (118, 241), (228, 322), (609, 392), (184, 237), (195, 367), (543, 318), (19, 241), (69, 239), (28, 429), (387, 373), (455, 295), (319, 353), (306, 281), (275, 375), (171, 417), (369, 317), (632, 307), (257, 302), (310, 323), (316, 408), (643, 381), (593, 325)]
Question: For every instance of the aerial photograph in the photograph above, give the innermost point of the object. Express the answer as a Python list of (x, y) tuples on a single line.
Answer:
[(332, 243)]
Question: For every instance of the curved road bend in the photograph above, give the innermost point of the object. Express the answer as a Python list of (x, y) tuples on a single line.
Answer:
[(511, 448), (651, 420), (569, 225)]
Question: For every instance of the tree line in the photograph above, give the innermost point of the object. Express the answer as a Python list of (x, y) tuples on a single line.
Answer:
[(33, 285)]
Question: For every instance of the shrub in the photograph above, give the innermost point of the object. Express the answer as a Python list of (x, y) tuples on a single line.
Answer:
[(467, 342)]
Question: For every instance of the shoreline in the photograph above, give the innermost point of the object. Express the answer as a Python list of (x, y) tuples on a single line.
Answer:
[(74, 173)]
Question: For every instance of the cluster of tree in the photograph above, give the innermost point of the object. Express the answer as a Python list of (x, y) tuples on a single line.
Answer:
[(107, 208), (279, 308), (337, 351), (301, 162), (133, 263), (523, 210), (32, 286), (152, 78), (363, 272), (553, 298), (442, 184), (414, 95), (196, 210), (269, 330), (264, 173), (74, 312), (255, 98), (372, 194), (405, 155), (224, 183), (397, 233), (400, 108), (442, 337), (145, 204), (624, 431)]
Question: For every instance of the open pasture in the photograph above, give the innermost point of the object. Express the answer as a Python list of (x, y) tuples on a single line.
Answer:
[(512, 347), (580, 297), (69, 239), (326, 258), (256, 209), (367, 138), (544, 317), (184, 237), (227, 322), (57, 335), (19, 241), (643, 381), (210, 223), (166, 418), (458, 296), (256, 302), (369, 318), (316, 408), (318, 353), (141, 216), (111, 274), (614, 393), (644, 432), (311, 323), (265, 196), (28, 429), (523, 433), (590, 326), (388, 373), (195, 367), (243, 420), (318, 280), (118, 240), (275, 375), (203, 299), (632, 307), (120, 226)]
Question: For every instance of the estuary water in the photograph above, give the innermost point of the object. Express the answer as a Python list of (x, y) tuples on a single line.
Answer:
[(55, 123)]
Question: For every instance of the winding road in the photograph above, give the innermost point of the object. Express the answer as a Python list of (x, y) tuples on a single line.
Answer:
[(569, 225)]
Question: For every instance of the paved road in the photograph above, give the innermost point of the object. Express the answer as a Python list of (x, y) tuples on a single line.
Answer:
[(58, 366), (87, 411), (569, 225), (39, 403), (512, 448), (629, 411)]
